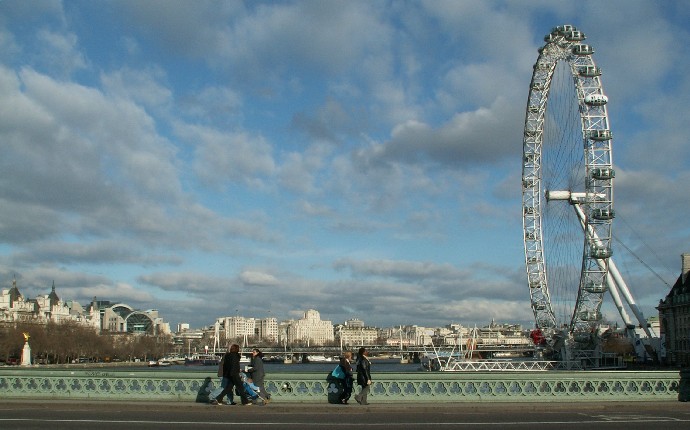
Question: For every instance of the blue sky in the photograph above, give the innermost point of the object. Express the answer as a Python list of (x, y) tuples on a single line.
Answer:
[(361, 158)]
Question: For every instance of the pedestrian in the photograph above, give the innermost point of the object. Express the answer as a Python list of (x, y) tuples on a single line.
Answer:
[(347, 383), (223, 383), (363, 376), (257, 374), (231, 371)]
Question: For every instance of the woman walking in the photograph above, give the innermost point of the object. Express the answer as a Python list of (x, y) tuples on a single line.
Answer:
[(231, 371), (347, 383), (363, 376), (257, 374)]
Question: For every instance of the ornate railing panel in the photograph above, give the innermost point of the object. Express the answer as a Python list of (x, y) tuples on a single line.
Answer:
[(312, 387)]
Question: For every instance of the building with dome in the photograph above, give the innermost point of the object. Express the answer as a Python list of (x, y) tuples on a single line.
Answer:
[(103, 316), (310, 330), (14, 307)]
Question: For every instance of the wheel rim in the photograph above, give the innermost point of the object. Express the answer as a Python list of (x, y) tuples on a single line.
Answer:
[(567, 191)]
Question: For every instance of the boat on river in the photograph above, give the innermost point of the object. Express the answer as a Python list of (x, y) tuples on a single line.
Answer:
[(210, 359), (159, 363), (172, 359), (318, 359), (202, 360)]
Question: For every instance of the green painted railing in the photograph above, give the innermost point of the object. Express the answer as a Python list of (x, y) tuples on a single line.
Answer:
[(311, 387)]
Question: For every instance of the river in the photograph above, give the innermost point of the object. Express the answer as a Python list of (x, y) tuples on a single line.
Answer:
[(383, 365)]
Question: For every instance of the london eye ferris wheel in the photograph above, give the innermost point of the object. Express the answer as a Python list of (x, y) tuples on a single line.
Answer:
[(567, 193)]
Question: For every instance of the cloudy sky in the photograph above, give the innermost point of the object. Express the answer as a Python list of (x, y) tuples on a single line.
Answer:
[(361, 158)]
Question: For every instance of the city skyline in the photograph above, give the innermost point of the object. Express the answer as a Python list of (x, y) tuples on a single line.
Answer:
[(63, 309), (357, 157)]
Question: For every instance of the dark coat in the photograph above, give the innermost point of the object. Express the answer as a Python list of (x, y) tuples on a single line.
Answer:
[(363, 371), (231, 364), (257, 372)]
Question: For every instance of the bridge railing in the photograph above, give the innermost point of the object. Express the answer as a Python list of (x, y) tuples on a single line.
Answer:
[(545, 386)]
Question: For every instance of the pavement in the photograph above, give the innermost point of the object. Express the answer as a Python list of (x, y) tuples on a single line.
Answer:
[(305, 407)]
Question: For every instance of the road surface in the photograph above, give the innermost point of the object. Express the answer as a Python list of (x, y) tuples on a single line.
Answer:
[(102, 415)]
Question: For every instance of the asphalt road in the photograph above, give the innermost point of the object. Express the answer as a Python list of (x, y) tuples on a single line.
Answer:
[(101, 415)]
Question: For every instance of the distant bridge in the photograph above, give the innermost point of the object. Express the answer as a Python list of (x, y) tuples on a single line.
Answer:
[(485, 351)]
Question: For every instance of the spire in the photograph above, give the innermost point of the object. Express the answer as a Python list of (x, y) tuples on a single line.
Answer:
[(15, 295), (54, 299)]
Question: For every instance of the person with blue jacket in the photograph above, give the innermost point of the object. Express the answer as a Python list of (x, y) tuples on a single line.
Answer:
[(347, 383)]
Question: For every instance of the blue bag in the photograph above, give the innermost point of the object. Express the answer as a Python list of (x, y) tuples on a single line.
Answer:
[(338, 372)]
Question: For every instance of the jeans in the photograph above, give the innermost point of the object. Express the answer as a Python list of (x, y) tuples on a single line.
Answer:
[(223, 384), (234, 382)]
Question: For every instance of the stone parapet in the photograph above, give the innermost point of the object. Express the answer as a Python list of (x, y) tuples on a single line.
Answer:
[(417, 387)]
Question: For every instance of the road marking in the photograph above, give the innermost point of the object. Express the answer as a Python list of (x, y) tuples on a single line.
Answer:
[(600, 420), (633, 418)]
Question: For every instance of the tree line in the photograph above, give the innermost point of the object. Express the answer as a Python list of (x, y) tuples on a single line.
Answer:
[(70, 342)]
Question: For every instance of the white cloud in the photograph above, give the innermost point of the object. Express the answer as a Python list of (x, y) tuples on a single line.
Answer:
[(228, 156), (60, 52), (254, 278), (141, 86), (296, 150)]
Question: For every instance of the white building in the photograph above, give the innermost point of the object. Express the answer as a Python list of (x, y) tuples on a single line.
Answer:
[(267, 328), (420, 336), (15, 308), (310, 330), (100, 315), (354, 323), (357, 336), (51, 308), (238, 327)]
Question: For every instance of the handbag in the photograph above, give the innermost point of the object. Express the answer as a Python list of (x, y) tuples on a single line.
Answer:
[(220, 366), (338, 372)]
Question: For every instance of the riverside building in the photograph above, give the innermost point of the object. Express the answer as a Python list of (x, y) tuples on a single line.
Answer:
[(101, 315), (238, 327), (310, 330), (674, 319)]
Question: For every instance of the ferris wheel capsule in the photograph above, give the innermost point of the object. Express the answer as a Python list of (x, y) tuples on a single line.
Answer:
[(574, 36), (596, 288), (589, 71), (600, 135), (596, 99), (603, 173), (603, 214), (582, 49), (564, 28), (600, 252)]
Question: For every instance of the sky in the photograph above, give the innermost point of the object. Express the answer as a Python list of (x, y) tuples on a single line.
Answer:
[(360, 158)]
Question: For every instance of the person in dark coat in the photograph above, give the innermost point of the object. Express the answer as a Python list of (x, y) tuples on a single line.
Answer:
[(231, 371), (363, 376), (257, 374), (348, 382)]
